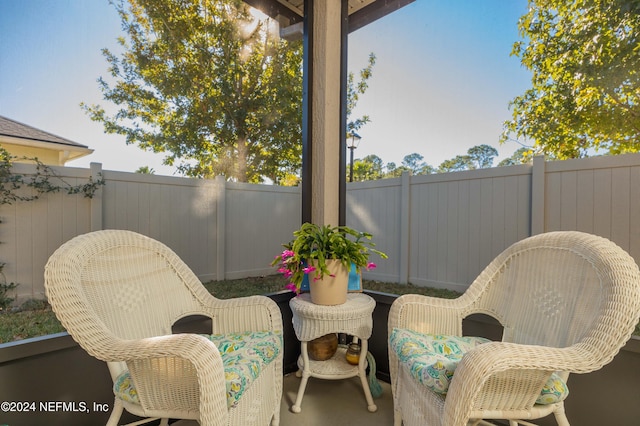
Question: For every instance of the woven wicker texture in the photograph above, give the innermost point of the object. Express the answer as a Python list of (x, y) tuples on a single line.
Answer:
[(568, 302), (118, 293), (311, 321)]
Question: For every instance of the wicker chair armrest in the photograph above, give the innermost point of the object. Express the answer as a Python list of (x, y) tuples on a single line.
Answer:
[(426, 314), (487, 360), (188, 346), (251, 313), (502, 356), (193, 349)]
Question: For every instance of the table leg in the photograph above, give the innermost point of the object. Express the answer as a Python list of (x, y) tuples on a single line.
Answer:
[(305, 378), (363, 376)]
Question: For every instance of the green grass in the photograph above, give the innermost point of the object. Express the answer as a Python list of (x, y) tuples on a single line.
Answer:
[(228, 289), (394, 288), (274, 283), (35, 318), (29, 321)]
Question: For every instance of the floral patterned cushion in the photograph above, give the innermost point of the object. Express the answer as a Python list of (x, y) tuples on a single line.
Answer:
[(555, 390), (244, 356), (123, 388), (432, 360)]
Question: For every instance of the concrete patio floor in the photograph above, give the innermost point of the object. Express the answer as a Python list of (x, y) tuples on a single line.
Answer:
[(334, 402), (330, 402)]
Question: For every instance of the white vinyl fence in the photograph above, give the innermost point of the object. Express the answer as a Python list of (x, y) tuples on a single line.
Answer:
[(439, 230)]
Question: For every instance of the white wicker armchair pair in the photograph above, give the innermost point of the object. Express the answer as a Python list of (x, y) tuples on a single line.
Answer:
[(568, 302), (118, 293)]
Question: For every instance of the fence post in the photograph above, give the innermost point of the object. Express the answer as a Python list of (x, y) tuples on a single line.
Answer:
[(221, 197), (537, 195), (405, 225), (96, 200)]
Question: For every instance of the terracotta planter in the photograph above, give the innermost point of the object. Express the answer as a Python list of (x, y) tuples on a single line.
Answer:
[(332, 288)]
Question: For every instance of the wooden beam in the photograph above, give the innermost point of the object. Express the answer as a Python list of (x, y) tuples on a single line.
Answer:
[(374, 11), (273, 8)]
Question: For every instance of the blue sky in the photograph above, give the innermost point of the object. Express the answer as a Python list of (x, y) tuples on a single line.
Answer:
[(442, 81)]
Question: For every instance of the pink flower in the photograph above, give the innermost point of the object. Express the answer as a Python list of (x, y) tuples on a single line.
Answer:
[(287, 254), (292, 287), (308, 269), (284, 271), (371, 265)]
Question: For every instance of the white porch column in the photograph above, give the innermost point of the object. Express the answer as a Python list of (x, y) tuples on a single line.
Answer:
[(324, 115)]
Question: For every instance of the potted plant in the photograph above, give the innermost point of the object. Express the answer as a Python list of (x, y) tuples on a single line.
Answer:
[(326, 254)]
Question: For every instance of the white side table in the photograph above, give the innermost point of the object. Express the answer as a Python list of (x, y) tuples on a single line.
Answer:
[(311, 321)]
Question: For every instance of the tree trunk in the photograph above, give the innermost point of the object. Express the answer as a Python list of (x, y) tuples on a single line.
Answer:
[(241, 166)]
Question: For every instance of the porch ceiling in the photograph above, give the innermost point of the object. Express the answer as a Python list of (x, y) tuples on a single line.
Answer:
[(361, 12)]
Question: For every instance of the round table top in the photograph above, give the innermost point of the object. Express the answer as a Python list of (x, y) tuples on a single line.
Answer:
[(356, 306), (353, 317)]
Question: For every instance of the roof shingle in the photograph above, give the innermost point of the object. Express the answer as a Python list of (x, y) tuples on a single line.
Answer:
[(12, 128)]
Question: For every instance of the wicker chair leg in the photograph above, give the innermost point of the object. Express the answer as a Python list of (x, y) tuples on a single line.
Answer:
[(164, 422), (561, 417), (116, 413), (397, 418), (275, 420)]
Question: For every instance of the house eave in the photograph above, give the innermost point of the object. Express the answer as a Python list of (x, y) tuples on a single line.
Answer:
[(69, 151)]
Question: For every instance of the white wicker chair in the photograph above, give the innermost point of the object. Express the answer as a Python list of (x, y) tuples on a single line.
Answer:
[(568, 302), (118, 293)]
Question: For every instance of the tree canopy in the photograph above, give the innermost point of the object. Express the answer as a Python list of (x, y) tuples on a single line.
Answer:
[(354, 90), (368, 168), (372, 167), (585, 96), (207, 84), (481, 156), (477, 157)]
